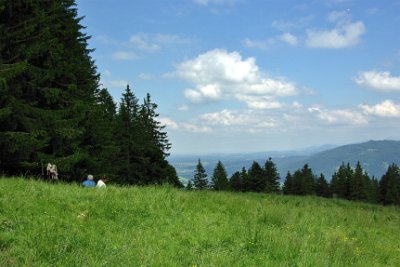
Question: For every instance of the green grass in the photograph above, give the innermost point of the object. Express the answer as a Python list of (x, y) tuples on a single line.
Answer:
[(44, 224)]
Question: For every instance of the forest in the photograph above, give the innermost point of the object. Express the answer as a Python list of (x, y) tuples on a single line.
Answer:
[(348, 182), (53, 109)]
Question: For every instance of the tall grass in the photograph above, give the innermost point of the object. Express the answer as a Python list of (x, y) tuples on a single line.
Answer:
[(44, 224)]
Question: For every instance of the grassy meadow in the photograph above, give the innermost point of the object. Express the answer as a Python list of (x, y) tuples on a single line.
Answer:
[(44, 224)]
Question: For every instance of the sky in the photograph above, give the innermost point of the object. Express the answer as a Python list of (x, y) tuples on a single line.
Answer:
[(237, 76)]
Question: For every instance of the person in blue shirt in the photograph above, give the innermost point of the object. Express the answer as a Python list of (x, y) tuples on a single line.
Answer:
[(89, 181)]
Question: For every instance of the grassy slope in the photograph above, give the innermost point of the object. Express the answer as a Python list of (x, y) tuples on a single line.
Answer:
[(43, 224)]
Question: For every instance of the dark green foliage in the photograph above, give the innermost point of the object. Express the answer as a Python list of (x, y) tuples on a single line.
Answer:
[(288, 185), (52, 110), (256, 181), (303, 181), (219, 179), (47, 86), (200, 181), (389, 186), (342, 181), (236, 183), (189, 186), (322, 187), (272, 177), (360, 184)]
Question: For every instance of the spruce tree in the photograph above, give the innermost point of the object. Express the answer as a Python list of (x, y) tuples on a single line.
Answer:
[(47, 84), (236, 183), (219, 179), (322, 187), (272, 177), (200, 181), (389, 186), (359, 184), (256, 179), (288, 185), (130, 160)]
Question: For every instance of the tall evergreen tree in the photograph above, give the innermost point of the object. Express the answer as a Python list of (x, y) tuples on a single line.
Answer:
[(200, 181), (272, 177), (236, 183), (256, 179), (389, 186), (360, 184), (47, 84), (288, 185), (130, 159), (244, 177), (322, 187), (219, 179)]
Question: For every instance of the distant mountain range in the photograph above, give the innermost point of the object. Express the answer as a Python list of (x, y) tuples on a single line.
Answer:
[(374, 156)]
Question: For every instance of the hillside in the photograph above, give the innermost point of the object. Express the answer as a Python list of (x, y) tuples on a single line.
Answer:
[(375, 156), (46, 224)]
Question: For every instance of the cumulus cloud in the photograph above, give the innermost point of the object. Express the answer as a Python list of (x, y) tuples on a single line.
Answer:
[(240, 120), (385, 109), (216, 2), (249, 43), (288, 38), (219, 75), (381, 81), (194, 128), (168, 122), (123, 55), (338, 116), (154, 42), (345, 34)]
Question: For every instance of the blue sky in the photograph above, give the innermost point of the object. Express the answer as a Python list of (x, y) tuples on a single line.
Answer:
[(260, 75)]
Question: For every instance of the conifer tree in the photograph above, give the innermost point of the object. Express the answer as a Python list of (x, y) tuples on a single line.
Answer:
[(288, 185), (200, 181), (47, 84), (236, 183), (322, 187), (256, 179), (389, 186), (360, 183), (244, 177), (219, 179), (130, 159), (272, 177)]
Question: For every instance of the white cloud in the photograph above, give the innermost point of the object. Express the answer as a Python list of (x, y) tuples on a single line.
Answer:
[(142, 42), (168, 122), (154, 42), (385, 109), (262, 45), (285, 26), (145, 76), (288, 38), (190, 127), (242, 120), (124, 55), (216, 2), (183, 108), (339, 116), (265, 44), (121, 84), (219, 75), (345, 33), (381, 81)]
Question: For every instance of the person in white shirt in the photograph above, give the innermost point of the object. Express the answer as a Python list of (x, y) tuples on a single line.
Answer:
[(101, 183)]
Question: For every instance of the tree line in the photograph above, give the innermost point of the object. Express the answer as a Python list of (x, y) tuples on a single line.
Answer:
[(53, 109), (351, 183)]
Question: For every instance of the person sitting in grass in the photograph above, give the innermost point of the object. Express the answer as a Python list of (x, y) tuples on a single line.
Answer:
[(101, 183), (89, 181)]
